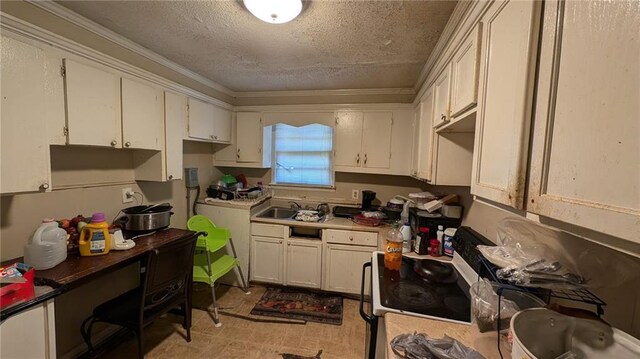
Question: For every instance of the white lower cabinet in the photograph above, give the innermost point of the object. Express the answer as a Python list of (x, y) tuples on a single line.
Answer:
[(304, 263), (29, 334), (343, 267), (332, 264), (267, 259)]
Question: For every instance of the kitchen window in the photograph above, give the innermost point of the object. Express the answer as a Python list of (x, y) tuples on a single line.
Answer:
[(303, 155)]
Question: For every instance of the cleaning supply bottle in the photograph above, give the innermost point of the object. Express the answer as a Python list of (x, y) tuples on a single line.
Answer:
[(440, 238), (95, 239), (393, 250), (48, 246), (406, 238)]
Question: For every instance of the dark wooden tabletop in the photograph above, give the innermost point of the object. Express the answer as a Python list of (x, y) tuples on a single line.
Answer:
[(76, 270)]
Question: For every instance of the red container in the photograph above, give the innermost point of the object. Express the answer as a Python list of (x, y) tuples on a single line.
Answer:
[(434, 248), (16, 292)]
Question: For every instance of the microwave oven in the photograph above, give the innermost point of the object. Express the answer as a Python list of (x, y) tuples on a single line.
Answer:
[(421, 218)]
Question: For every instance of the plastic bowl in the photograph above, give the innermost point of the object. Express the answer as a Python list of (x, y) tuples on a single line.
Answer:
[(485, 314)]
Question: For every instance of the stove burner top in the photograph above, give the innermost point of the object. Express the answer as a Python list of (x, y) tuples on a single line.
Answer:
[(413, 295), (408, 291), (456, 304)]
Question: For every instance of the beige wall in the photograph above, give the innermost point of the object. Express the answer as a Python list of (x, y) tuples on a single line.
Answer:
[(96, 177), (385, 186)]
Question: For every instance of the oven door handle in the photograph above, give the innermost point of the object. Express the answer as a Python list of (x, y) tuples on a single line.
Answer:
[(364, 315)]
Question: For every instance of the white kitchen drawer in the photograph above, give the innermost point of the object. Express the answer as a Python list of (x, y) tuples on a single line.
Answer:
[(351, 237), (267, 230)]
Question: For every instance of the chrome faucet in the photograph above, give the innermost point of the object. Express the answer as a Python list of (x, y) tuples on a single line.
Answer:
[(295, 205)]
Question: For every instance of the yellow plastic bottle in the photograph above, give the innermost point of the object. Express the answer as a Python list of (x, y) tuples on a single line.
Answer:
[(95, 239)]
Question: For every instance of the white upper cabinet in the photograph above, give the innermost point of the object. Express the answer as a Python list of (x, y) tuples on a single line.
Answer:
[(249, 143), (376, 139), (200, 120), (442, 93), (221, 124), (585, 156), (424, 149), (348, 141), (509, 37), (209, 122), (142, 115), (24, 156), (175, 122), (464, 72), (92, 98)]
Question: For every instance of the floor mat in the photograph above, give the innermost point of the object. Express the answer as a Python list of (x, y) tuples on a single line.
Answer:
[(300, 304)]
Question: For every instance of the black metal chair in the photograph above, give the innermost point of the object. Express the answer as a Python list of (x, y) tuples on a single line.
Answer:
[(165, 285)]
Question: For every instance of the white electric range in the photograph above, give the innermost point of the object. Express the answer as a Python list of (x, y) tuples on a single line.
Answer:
[(428, 288)]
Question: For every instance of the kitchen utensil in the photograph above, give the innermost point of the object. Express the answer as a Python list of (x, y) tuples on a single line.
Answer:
[(542, 333), (395, 203), (366, 221), (569, 277), (141, 218), (392, 213), (435, 272), (367, 198), (323, 208), (421, 198), (436, 204), (151, 207)]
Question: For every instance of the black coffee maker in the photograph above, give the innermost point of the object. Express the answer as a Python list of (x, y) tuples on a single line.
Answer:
[(367, 198)]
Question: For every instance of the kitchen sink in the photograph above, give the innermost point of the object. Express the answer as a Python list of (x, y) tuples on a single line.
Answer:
[(278, 213)]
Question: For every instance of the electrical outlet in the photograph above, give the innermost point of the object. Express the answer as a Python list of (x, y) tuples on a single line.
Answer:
[(355, 194), (127, 195)]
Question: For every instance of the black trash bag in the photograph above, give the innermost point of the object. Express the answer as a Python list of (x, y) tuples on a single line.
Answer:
[(421, 346)]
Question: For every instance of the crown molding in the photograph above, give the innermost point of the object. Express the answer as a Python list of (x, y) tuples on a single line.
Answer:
[(340, 92), (79, 20), (466, 15), (327, 107), (447, 35)]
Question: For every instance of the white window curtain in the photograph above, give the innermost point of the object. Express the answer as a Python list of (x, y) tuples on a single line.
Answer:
[(303, 155)]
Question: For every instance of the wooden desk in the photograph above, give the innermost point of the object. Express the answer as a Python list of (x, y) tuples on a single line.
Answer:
[(76, 270)]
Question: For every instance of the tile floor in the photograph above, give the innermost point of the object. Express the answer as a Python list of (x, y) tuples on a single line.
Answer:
[(238, 338)]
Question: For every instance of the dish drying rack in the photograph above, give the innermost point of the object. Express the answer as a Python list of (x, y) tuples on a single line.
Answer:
[(578, 295), (244, 196)]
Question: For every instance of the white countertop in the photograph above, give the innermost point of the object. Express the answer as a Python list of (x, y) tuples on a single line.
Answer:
[(485, 343)]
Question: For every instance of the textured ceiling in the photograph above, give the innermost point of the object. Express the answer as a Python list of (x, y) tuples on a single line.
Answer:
[(331, 45)]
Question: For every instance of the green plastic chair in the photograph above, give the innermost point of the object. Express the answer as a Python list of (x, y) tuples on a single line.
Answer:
[(210, 262)]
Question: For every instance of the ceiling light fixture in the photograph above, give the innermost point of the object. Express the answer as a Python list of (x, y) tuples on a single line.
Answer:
[(274, 11)]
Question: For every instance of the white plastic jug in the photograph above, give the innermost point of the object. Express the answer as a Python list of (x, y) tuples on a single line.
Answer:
[(48, 246)]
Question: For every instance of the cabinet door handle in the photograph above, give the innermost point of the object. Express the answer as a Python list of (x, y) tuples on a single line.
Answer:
[(289, 244), (170, 177), (350, 238), (358, 159), (44, 185), (443, 117), (211, 136), (365, 158), (127, 144), (280, 241), (215, 137), (114, 143)]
